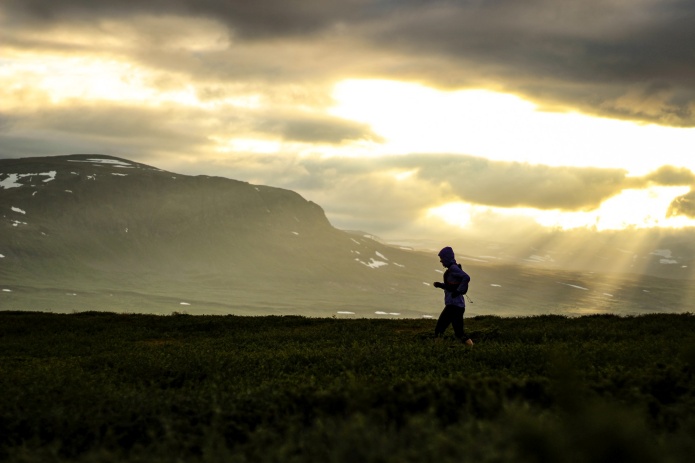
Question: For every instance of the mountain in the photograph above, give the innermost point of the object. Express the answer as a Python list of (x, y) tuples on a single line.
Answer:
[(129, 236), (94, 232)]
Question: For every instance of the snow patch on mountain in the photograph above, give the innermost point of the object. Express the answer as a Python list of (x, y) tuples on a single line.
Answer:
[(666, 253), (112, 162), (373, 263), (574, 286), (538, 258), (666, 256), (12, 180)]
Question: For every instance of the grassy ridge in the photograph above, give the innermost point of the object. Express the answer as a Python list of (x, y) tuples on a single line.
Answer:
[(106, 387)]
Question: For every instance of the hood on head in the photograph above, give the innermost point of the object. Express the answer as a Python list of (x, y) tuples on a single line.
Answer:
[(447, 256)]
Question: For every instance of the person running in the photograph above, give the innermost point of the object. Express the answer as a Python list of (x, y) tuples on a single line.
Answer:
[(455, 285)]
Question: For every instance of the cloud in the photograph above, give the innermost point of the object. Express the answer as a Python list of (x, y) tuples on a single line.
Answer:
[(315, 128), (392, 195), (107, 129), (669, 175), (258, 19), (683, 205), (123, 129), (514, 184), (608, 57)]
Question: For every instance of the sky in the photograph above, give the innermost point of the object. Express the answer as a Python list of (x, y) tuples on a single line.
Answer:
[(410, 119)]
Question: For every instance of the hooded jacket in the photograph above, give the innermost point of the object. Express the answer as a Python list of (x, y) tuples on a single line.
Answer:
[(455, 279)]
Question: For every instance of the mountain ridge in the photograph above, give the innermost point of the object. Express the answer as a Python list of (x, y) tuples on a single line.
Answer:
[(96, 232)]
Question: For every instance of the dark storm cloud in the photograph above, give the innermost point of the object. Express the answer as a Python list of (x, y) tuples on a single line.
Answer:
[(610, 57), (627, 59), (258, 18)]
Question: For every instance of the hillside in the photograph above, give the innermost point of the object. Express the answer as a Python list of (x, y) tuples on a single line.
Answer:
[(97, 387), (93, 232), (88, 231)]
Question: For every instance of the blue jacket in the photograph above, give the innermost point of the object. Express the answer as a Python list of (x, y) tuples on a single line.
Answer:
[(455, 279)]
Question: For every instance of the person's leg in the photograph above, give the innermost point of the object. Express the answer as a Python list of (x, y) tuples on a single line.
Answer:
[(457, 323), (445, 319)]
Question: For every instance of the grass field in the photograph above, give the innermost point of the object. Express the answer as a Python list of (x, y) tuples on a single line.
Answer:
[(105, 387)]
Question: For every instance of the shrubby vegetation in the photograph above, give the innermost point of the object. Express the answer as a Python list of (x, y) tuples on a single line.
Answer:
[(104, 387)]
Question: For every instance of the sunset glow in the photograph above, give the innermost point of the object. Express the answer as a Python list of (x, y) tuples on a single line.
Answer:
[(415, 118), (631, 209)]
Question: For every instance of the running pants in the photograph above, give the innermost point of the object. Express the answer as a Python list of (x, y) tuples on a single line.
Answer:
[(451, 315)]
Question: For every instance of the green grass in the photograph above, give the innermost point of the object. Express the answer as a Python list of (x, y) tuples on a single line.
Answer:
[(104, 387)]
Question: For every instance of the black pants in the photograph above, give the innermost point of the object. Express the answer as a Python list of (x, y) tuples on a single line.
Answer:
[(451, 315)]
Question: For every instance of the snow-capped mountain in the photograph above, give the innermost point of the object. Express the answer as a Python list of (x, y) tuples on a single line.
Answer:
[(94, 232)]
